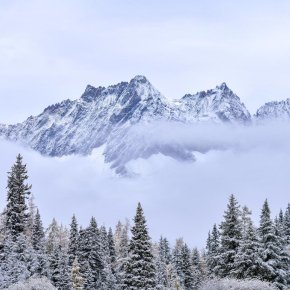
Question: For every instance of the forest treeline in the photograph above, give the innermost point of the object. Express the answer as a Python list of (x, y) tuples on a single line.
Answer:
[(96, 257)]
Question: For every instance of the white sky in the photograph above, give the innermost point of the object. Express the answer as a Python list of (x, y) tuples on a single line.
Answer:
[(50, 50)]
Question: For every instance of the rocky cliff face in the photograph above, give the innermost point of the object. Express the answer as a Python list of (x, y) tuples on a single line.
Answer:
[(104, 116), (279, 111)]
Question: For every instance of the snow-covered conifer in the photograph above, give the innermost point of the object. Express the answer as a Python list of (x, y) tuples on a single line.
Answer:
[(231, 235), (140, 270), (73, 241), (196, 268), (275, 259), (18, 190)]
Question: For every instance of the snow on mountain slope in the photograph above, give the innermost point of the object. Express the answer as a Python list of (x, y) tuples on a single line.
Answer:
[(81, 125), (278, 111), (105, 116), (219, 105)]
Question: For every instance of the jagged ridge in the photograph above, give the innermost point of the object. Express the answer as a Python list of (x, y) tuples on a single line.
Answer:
[(104, 115)]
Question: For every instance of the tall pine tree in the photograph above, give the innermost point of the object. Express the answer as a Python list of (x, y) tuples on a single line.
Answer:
[(275, 259), (231, 234), (73, 241), (16, 215), (140, 271)]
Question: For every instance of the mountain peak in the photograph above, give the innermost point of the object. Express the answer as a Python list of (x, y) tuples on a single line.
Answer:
[(275, 110), (140, 79), (91, 93), (223, 86)]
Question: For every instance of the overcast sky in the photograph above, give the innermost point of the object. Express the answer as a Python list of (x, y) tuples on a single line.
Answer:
[(50, 50)]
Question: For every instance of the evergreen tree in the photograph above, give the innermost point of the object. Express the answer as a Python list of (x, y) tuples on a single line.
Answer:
[(247, 261), (90, 256), (230, 239), (213, 250), (177, 259), (38, 243), (18, 261), (140, 271), (54, 263), (109, 280), (164, 250), (196, 268), (280, 228), (16, 210), (112, 251), (203, 266), (73, 241), (65, 282), (275, 260), (187, 268), (286, 224), (37, 238), (84, 252)]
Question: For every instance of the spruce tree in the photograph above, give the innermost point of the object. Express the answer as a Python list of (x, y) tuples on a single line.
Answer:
[(109, 280), (38, 243), (213, 251), (231, 234), (73, 241), (83, 254), (65, 282), (16, 215), (177, 259), (187, 268), (112, 251), (95, 257), (18, 261), (196, 268), (37, 238), (275, 260), (164, 250), (286, 225), (248, 261), (140, 271), (54, 266)]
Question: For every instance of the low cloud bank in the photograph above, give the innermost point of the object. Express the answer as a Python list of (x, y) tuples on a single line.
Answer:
[(179, 198)]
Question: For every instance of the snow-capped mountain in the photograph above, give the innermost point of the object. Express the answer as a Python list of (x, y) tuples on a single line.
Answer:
[(219, 105), (105, 116), (84, 124), (274, 111)]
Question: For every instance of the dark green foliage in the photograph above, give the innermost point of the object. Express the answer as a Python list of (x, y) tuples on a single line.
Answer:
[(230, 237), (16, 209), (37, 238), (275, 260), (73, 241), (140, 271), (213, 248)]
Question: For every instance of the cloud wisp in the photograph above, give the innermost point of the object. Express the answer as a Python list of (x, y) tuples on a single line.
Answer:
[(252, 162)]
